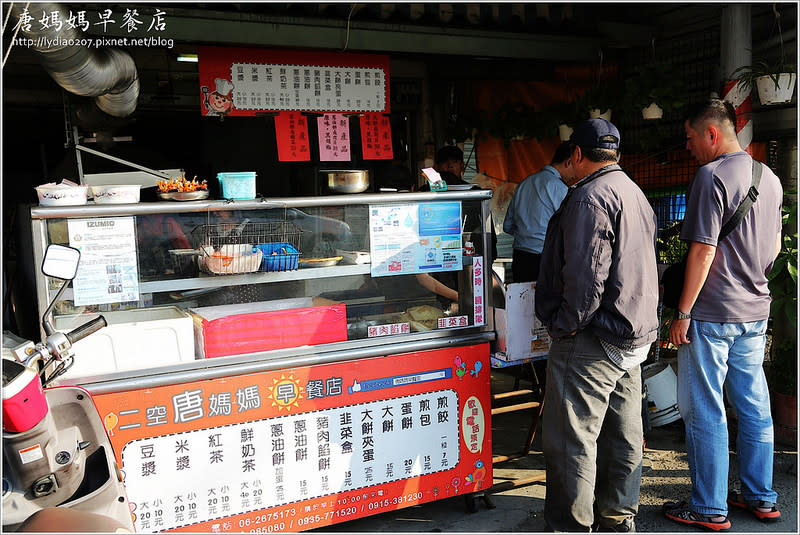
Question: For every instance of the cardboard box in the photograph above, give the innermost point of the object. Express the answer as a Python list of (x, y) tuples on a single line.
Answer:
[(133, 339), (520, 334), (266, 326)]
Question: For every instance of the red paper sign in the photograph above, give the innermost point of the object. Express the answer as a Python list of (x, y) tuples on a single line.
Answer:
[(291, 131), (300, 448), (376, 137), (334, 137), (246, 81)]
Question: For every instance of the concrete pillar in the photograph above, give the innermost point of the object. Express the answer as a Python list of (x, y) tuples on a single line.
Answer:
[(735, 45), (735, 38)]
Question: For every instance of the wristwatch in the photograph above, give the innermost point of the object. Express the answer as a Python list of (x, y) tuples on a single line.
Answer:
[(681, 316)]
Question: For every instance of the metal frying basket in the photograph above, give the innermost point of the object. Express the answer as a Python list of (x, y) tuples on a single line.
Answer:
[(228, 248)]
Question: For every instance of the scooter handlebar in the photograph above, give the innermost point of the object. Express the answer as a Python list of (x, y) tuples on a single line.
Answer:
[(86, 329)]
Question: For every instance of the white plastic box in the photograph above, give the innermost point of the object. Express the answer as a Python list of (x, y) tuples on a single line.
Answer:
[(134, 339), (520, 334)]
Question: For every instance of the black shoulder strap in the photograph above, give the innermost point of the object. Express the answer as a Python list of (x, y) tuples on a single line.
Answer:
[(744, 206)]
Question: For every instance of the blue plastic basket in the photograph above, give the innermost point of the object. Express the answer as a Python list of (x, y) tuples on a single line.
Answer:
[(286, 258)]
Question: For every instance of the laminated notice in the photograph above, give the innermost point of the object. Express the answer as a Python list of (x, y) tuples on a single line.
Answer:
[(30, 454)]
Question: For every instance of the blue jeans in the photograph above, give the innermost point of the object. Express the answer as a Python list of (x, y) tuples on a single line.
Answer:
[(729, 356)]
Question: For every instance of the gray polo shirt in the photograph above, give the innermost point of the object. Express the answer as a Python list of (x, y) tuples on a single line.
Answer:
[(736, 289)]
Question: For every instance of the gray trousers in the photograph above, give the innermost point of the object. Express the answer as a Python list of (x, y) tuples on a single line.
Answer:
[(591, 436)]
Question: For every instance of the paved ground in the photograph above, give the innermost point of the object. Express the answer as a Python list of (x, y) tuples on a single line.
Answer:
[(665, 478)]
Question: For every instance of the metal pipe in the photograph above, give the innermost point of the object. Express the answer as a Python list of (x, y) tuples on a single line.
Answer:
[(201, 370), (115, 210), (159, 174), (107, 74)]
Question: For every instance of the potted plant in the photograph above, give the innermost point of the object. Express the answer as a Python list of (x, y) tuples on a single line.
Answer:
[(655, 90), (598, 101), (783, 319), (565, 115), (773, 80), (513, 121), (669, 249)]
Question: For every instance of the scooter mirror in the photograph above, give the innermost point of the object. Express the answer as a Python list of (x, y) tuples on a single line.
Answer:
[(61, 261)]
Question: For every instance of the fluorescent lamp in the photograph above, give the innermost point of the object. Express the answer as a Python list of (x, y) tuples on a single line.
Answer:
[(189, 58)]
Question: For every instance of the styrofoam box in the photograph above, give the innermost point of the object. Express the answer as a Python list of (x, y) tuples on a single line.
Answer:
[(520, 334), (133, 339), (226, 330)]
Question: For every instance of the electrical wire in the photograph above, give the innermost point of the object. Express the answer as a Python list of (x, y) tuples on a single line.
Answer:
[(778, 22), (347, 35)]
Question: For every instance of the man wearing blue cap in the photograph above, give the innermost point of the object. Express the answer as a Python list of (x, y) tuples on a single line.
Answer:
[(597, 294)]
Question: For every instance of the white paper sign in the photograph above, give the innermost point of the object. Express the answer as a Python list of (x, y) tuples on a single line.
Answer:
[(272, 86), (107, 272), (212, 473)]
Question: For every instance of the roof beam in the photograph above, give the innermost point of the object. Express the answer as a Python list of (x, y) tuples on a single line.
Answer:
[(249, 29)]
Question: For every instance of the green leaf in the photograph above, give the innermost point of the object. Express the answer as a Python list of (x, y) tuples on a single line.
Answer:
[(777, 267), (791, 214), (747, 74)]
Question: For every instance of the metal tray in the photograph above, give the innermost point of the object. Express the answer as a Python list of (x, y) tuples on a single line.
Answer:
[(319, 262), (460, 187), (184, 195)]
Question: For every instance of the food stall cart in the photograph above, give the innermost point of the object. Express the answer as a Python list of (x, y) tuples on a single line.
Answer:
[(279, 366)]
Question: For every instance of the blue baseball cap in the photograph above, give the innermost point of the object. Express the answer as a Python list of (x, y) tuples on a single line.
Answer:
[(596, 134)]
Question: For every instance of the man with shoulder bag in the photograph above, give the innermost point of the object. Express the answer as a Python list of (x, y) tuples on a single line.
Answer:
[(673, 278), (721, 320)]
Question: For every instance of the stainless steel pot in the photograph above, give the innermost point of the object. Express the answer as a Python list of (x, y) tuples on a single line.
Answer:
[(345, 180)]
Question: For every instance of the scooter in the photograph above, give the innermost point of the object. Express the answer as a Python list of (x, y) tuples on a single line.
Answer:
[(59, 470)]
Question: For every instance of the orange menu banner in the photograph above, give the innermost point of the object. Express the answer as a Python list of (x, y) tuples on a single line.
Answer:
[(306, 447), (291, 131), (376, 137)]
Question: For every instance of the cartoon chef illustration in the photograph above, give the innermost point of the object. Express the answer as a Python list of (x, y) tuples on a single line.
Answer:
[(218, 102)]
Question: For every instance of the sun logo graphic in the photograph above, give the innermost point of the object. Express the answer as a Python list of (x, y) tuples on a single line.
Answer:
[(285, 392)]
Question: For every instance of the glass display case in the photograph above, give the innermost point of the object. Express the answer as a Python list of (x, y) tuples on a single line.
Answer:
[(265, 280)]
